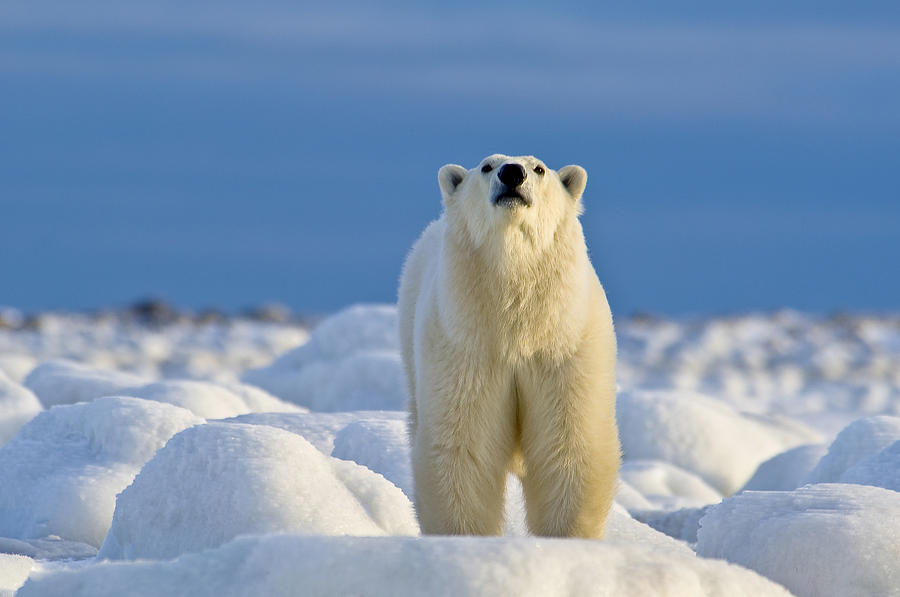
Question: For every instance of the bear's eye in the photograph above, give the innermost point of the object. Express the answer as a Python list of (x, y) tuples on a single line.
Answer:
[(486, 168), (539, 170)]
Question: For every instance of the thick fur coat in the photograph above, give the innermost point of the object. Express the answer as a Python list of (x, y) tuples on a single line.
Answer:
[(510, 353)]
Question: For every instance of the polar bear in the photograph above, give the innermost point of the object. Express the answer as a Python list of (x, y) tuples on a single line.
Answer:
[(509, 351)]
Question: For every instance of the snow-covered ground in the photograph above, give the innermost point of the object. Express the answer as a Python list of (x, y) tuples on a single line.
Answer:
[(239, 457)]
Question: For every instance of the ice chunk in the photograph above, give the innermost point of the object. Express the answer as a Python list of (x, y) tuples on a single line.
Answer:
[(60, 474), (702, 435), (17, 406), (275, 565), (351, 362), (818, 541), (216, 481), (861, 438)]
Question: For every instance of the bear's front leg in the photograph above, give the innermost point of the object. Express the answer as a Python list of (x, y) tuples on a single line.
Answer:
[(462, 447), (570, 445)]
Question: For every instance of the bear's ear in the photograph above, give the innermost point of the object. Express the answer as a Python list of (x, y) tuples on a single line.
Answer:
[(449, 177), (574, 179)]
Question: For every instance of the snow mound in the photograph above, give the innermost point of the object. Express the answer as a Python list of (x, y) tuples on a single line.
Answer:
[(67, 382), (213, 482), (679, 524), (786, 471), (351, 362), (381, 445), (861, 438), (61, 473), (666, 486), (275, 565), (319, 429), (13, 572), (622, 529), (18, 405), (260, 401), (630, 498), (819, 540), (358, 327), (209, 400), (702, 435), (880, 470), (17, 366)]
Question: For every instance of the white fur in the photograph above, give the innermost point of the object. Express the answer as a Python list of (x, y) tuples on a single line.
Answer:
[(510, 353)]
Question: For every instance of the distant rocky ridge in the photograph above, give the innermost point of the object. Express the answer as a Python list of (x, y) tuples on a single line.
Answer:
[(156, 312)]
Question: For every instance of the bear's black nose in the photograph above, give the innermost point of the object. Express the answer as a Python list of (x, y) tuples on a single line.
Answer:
[(512, 175)]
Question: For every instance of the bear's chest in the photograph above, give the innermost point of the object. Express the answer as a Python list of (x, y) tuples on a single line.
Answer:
[(515, 323), (513, 308)]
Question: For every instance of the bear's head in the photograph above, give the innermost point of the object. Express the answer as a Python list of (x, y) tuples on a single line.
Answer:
[(516, 201)]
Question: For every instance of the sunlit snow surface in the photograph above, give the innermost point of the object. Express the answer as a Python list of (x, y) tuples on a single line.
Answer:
[(163, 447)]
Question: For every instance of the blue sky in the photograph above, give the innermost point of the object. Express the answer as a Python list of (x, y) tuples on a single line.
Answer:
[(224, 154)]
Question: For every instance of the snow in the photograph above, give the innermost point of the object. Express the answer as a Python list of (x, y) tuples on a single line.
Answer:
[(209, 400), (67, 382), (881, 469), (61, 473), (381, 445), (320, 429), (351, 362), (681, 524), (51, 548), (666, 486), (203, 433), (14, 569), (276, 565), (702, 435), (630, 498), (622, 529), (787, 470), (863, 437), (64, 382), (16, 366), (217, 351), (818, 541), (823, 371), (257, 400), (17, 406), (213, 482)]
